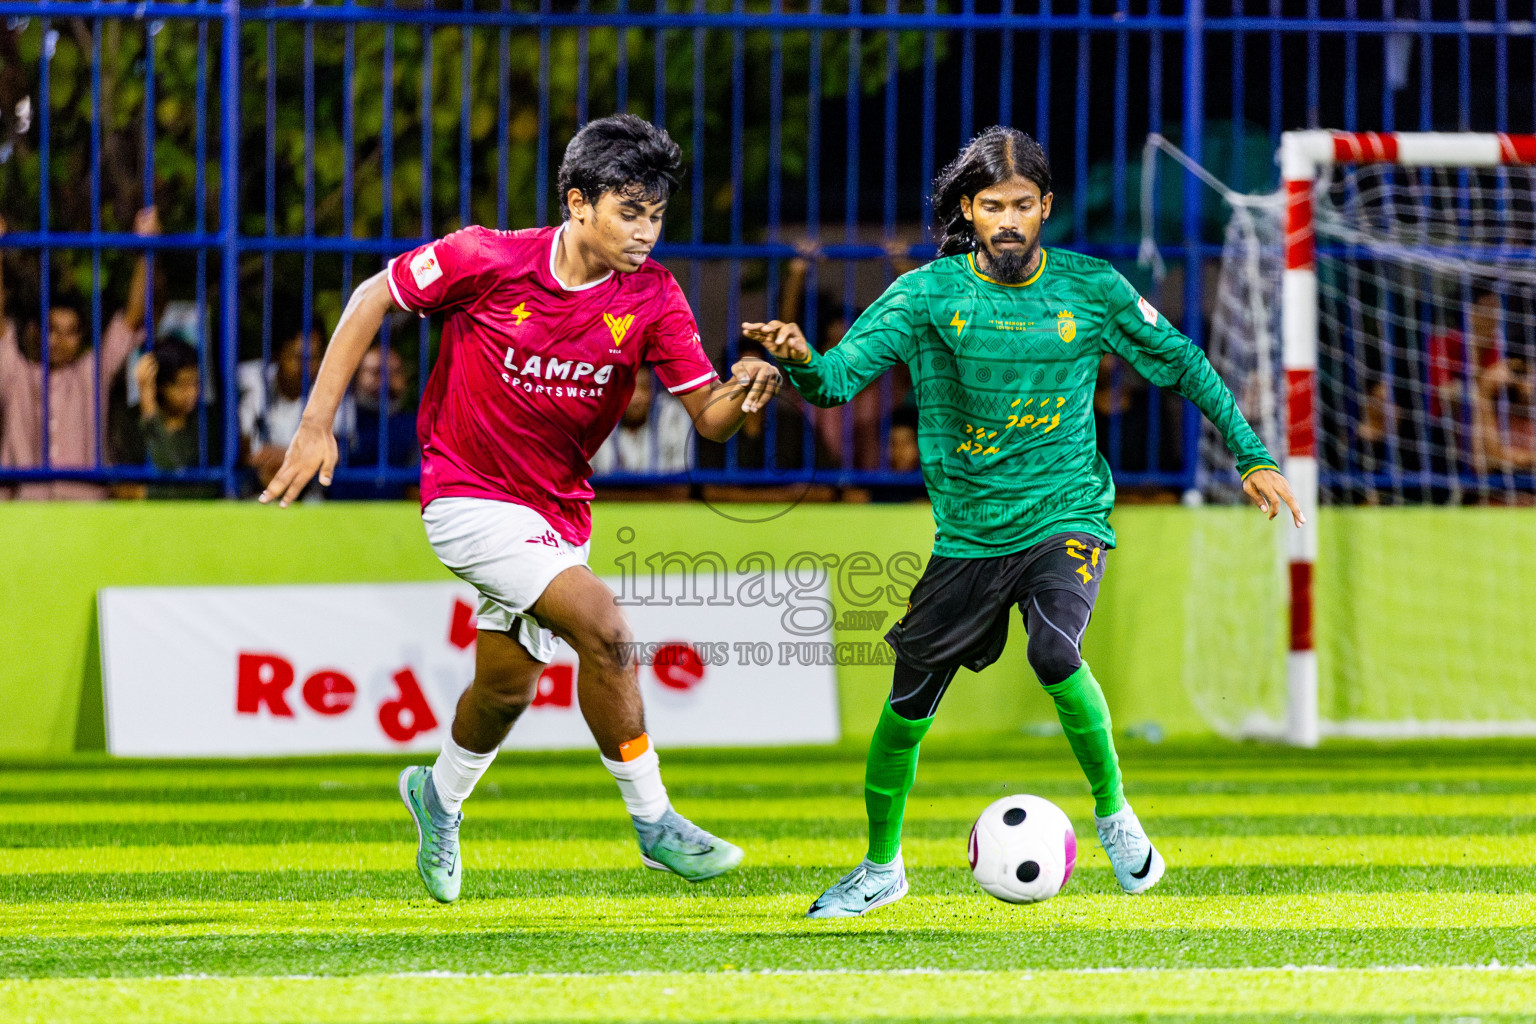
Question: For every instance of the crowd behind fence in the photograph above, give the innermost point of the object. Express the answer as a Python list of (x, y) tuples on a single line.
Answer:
[(191, 190)]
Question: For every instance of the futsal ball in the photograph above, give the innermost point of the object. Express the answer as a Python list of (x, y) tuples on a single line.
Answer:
[(1023, 849)]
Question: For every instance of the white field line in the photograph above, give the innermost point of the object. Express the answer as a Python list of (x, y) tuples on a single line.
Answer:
[(895, 972)]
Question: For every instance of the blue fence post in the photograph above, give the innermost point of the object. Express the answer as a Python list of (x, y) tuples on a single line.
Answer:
[(1194, 118), (229, 228)]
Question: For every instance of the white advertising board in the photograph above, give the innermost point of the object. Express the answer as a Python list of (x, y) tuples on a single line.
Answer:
[(357, 668)]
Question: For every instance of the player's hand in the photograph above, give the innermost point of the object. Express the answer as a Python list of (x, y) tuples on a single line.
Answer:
[(313, 450), (146, 223), (759, 378), (783, 341), (144, 374), (1269, 490)]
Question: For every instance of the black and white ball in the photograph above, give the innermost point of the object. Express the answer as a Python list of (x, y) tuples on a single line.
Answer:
[(1023, 849)]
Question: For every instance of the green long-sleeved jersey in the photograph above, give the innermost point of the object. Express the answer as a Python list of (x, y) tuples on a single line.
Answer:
[(1004, 377)]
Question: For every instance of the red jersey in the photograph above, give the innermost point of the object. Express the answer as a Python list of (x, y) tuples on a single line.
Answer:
[(1448, 364), (532, 376)]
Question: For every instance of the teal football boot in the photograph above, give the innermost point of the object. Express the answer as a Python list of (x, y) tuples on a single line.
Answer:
[(437, 835), (861, 890), (1138, 866), (673, 843)]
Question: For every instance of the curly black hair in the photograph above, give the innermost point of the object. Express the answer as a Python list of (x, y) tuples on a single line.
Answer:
[(623, 154), (993, 157)]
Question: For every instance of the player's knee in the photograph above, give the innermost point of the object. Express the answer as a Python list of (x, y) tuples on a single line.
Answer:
[(606, 644), (1052, 656)]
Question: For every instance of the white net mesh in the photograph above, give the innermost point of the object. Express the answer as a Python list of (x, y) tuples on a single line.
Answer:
[(1427, 403), (1235, 637), (1425, 286), (1244, 340)]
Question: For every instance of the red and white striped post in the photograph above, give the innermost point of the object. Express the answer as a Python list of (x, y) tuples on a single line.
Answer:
[(1302, 156), (1298, 355)]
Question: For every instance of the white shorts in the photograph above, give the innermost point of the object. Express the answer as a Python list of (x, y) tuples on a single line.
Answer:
[(510, 554)]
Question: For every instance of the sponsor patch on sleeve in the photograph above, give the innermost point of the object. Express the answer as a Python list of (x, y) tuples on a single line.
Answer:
[(1148, 313), (425, 268)]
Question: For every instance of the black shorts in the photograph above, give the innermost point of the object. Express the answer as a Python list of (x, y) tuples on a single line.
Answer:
[(958, 614)]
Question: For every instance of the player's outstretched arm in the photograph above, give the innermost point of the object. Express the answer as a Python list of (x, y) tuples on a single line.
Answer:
[(1269, 490), (313, 449), (880, 338), (718, 412), (825, 380)]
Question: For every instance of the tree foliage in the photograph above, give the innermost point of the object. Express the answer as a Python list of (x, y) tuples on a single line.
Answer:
[(281, 145)]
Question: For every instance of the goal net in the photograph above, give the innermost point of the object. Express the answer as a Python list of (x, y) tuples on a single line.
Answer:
[(1376, 320)]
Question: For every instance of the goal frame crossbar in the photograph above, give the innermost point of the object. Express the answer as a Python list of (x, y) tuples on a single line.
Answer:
[(1304, 155)]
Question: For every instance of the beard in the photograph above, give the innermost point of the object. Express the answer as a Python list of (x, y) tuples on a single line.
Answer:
[(1010, 266)]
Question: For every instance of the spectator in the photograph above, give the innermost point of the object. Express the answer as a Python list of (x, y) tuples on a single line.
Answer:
[(790, 427), (375, 374), (831, 323), (80, 376), (7, 325), (272, 397), (1453, 363), (1480, 393), (902, 456), (1504, 418), (901, 444), (170, 385), (653, 436)]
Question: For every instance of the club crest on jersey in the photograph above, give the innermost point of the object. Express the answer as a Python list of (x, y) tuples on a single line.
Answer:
[(1066, 325), (1148, 313), (425, 268), (618, 326)]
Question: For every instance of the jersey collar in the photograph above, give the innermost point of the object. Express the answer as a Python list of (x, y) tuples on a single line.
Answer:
[(554, 247), (971, 259)]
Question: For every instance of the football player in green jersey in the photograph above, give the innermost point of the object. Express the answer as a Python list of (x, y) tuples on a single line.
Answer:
[(1003, 339)]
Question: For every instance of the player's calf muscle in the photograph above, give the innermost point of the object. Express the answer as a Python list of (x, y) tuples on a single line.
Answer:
[(484, 717), (506, 678)]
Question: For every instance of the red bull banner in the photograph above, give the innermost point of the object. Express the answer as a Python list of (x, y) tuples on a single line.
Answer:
[(367, 668)]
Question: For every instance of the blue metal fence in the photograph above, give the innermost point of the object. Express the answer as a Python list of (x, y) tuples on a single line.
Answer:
[(293, 148)]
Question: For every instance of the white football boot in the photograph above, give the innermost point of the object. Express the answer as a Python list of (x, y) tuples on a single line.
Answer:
[(1137, 864)]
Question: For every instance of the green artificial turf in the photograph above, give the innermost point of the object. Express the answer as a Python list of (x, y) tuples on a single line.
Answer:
[(1354, 883)]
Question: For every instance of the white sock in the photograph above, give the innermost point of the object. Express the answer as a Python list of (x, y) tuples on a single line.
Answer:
[(640, 784), (893, 865), (456, 772)]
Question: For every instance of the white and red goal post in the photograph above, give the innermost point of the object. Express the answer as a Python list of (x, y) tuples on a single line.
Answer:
[(1304, 155)]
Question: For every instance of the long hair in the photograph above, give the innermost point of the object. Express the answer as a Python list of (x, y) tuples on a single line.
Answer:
[(993, 157)]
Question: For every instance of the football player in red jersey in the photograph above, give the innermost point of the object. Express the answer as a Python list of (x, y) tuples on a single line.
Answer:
[(544, 331)]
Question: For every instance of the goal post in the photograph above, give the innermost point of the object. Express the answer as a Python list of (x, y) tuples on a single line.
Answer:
[(1298, 358), (1304, 155), (1375, 318)]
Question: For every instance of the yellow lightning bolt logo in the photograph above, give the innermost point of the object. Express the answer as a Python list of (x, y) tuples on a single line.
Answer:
[(521, 312), (957, 323)]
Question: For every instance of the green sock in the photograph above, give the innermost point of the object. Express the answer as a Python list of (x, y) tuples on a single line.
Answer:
[(1085, 719), (888, 777)]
